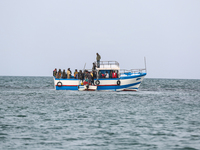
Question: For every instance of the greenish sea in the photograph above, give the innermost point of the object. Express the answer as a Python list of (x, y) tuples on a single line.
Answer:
[(163, 114)]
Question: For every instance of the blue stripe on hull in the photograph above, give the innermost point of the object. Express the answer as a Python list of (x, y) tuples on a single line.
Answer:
[(67, 88), (106, 88), (114, 88), (133, 88)]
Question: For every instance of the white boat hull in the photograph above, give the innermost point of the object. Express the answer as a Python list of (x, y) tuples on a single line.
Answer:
[(89, 88), (124, 83)]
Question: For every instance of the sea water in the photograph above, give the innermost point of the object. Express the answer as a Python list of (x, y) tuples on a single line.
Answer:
[(163, 114)]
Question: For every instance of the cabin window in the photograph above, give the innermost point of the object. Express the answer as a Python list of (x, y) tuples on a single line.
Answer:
[(101, 73)]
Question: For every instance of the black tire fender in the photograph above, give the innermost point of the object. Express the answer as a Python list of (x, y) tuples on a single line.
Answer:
[(59, 84), (118, 82), (97, 82)]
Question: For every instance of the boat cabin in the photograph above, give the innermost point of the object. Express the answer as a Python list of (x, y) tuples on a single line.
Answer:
[(108, 67)]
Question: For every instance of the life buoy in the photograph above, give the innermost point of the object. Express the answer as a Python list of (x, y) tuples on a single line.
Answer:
[(59, 84), (118, 82), (97, 82)]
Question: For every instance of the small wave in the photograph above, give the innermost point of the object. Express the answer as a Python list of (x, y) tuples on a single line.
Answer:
[(21, 116)]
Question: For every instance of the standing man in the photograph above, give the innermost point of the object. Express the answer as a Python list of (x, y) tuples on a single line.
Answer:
[(76, 74), (69, 73), (64, 74), (98, 60), (94, 67), (89, 77), (80, 75), (60, 73), (55, 72)]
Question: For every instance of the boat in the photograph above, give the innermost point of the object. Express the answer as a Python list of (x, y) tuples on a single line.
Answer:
[(126, 80)]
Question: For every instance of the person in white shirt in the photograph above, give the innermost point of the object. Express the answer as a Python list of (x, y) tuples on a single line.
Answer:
[(106, 75)]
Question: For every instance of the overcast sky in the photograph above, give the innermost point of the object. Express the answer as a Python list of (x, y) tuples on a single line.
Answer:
[(37, 36)]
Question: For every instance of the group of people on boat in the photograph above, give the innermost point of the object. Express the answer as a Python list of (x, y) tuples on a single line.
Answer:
[(86, 76), (77, 75), (62, 74), (81, 75)]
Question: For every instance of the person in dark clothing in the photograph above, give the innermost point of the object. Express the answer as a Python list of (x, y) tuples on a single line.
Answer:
[(64, 75), (85, 73), (94, 74), (100, 75), (94, 67), (54, 72), (83, 76), (98, 60), (92, 81), (60, 73), (89, 77), (80, 75), (111, 73)]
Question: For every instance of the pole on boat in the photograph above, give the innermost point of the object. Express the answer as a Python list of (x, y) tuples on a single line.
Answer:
[(145, 64), (84, 67)]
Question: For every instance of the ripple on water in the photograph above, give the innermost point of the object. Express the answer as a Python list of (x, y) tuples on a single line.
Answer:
[(160, 115)]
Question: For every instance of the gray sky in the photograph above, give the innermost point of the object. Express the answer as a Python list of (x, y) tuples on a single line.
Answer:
[(38, 35)]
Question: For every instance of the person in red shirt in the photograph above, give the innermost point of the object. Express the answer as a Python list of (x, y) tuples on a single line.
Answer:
[(103, 76), (114, 75)]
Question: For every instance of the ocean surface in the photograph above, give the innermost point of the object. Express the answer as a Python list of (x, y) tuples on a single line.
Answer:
[(164, 114)]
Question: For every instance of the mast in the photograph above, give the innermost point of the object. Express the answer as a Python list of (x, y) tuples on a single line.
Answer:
[(145, 64)]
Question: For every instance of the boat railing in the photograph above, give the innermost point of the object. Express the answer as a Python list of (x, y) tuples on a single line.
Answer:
[(132, 70), (108, 64)]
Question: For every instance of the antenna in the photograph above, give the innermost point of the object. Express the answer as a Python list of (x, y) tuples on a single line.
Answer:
[(84, 67), (145, 64)]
